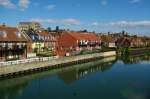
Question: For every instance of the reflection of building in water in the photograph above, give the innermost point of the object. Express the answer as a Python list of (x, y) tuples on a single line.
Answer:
[(135, 59), (94, 69), (78, 73), (10, 88)]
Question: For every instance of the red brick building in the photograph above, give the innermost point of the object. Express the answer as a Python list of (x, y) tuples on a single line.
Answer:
[(77, 41), (49, 39), (12, 44), (137, 42)]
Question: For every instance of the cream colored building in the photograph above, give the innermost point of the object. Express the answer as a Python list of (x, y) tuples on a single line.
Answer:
[(29, 25)]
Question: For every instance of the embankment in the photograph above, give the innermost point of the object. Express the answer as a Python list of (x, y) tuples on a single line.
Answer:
[(135, 51), (14, 70)]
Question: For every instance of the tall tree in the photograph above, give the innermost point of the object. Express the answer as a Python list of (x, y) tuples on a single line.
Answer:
[(57, 28), (49, 29)]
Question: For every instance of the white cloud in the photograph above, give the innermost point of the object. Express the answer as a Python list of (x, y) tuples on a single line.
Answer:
[(95, 24), (69, 21), (7, 4), (23, 4), (135, 1), (103, 2), (51, 7), (125, 24)]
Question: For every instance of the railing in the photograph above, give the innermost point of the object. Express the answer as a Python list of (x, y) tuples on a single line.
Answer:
[(61, 60), (16, 62)]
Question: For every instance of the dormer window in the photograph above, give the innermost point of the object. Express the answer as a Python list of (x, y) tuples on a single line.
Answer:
[(3, 33), (33, 37), (18, 34), (39, 37)]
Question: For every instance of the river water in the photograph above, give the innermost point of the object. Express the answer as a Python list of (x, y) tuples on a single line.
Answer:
[(108, 78)]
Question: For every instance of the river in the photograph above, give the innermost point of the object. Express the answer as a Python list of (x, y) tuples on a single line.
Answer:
[(108, 78)]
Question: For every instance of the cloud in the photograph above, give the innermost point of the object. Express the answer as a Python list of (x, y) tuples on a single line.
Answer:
[(125, 24), (7, 4), (103, 2), (23, 4), (69, 21), (51, 7), (95, 24), (135, 1)]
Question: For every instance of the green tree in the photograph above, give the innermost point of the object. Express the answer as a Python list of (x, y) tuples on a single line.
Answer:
[(57, 28), (49, 29)]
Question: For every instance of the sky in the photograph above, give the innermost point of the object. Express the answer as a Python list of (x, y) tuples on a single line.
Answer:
[(132, 16)]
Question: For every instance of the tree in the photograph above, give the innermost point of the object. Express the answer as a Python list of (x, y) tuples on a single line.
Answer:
[(49, 29), (57, 28), (83, 30)]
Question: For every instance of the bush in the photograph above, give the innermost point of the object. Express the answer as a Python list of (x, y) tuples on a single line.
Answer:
[(45, 54)]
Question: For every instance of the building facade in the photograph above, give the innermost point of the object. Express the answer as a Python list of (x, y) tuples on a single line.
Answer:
[(25, 26), (13, 45), (77, 41)]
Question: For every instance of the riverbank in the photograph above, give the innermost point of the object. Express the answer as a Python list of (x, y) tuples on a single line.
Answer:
[(27, 68), (135, 51)]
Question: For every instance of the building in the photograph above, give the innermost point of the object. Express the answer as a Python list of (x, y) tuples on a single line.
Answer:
[(35, 41), (13, 45), (123, 42), (25, 26), (77, 41), (108, 41), (137, 42), (49, 39)]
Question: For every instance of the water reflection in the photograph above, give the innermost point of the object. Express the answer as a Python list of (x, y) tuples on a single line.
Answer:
[(11, 87), (79, 73), (136, 59), (14, 87)]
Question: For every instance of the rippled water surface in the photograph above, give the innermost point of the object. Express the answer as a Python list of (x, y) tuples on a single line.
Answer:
[(109, 78)]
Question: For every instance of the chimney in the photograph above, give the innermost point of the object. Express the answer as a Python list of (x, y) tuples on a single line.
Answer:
[(4, 25)]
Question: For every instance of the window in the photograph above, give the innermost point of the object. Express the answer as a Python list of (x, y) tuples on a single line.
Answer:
[(33, 37), (18, 34), (10, 45), (39, 37), (3, 33)]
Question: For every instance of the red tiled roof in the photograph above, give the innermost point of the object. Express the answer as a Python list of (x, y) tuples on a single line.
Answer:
[(11, 34), (45, 34), (83, 36), (106, 38)]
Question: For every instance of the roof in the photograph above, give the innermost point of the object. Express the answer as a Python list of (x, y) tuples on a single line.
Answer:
[(34, 36), (11, 34), (29, 23), (106, 38), (83, 36), (45, 34), (136, 39)]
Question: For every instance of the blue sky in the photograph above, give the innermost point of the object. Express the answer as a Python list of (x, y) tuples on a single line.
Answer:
[(93, 15)]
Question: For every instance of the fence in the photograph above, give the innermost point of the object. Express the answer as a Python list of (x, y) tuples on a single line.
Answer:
[(16, 62), (61, 60)]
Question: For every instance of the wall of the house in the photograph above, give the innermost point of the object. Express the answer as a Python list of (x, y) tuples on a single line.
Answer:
[(37, 45), (67, 41)]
